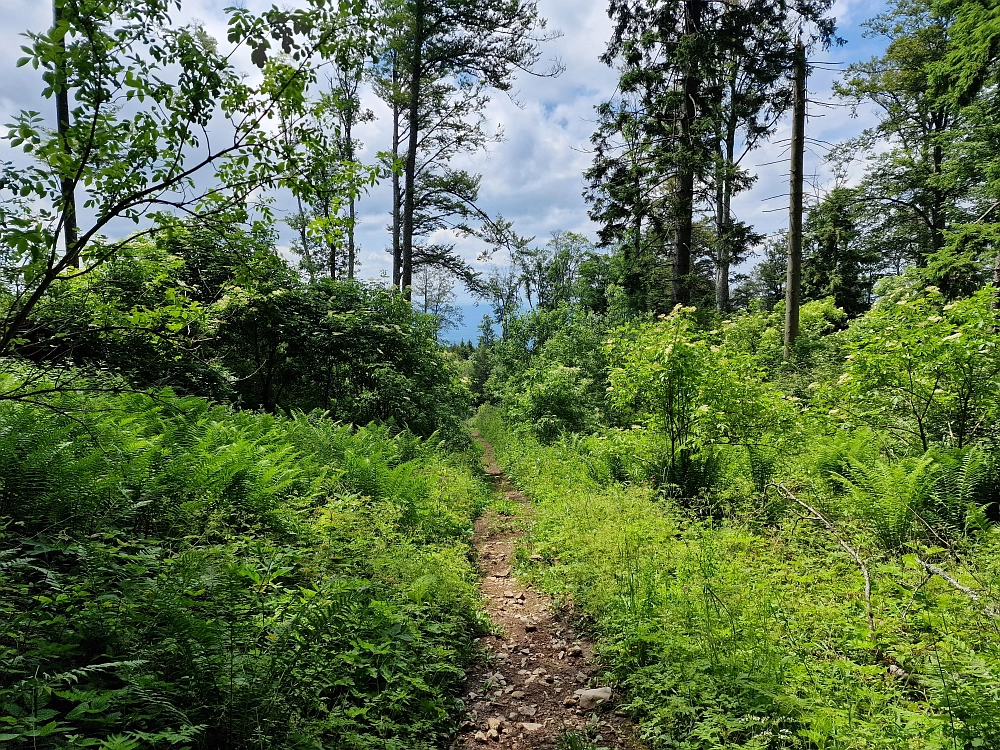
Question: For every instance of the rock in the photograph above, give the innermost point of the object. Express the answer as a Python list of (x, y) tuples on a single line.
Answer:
[(494, 735), (527, 710), (494, 723), (505, 573), (509, 594), (517, 694), (574, 651), (530, 627), (591, 698), (569, 701), (530, 726), (525, 650), (581, 677), (521, 596), (480, 737)]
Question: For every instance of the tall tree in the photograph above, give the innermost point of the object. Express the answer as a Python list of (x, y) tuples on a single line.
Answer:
[(441, 41), (920, 183), (701, 84)]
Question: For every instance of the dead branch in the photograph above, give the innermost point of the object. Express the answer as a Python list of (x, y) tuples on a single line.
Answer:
[(817, 516), (973, 595)]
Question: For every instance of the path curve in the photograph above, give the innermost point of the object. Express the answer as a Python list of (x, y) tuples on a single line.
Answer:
[(540, 680)]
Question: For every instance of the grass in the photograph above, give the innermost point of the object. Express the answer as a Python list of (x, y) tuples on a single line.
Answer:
[(732, 633)]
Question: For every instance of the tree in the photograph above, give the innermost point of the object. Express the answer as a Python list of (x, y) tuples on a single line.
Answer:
[(920, 184), (442, 41), (434, 295), (836, 263), (696, 77), (134, 149), (765, 284), (550, 274)]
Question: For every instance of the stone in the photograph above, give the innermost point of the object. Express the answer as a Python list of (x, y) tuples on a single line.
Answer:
[(591, 698), (536, 558), (574, 651), (569, 701), (493, 734), (581, 677), (530, 726), (480, 737), (527, 710), (517, 694), (494, 723), (530, 627), (509, 594)]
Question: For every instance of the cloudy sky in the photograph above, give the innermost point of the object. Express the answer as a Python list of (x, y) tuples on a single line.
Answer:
[(535, 176)]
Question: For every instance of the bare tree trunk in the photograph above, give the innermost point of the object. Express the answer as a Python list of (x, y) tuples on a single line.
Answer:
[(691, 86), (724, 196), (793, 283), (352, 205), (66, 182), (409, 196), (397, 224)]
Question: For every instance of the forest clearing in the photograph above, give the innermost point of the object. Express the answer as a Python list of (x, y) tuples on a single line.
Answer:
[(709, 475)]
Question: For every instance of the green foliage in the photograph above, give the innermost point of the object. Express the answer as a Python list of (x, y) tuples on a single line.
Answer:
[(698, 395), (922, 368), (741, 636), (177, 574)]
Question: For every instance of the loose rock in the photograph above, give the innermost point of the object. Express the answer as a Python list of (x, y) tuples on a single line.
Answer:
[(591, 698)]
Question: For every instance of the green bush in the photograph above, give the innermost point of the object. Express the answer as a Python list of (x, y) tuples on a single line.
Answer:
[(175, 574)]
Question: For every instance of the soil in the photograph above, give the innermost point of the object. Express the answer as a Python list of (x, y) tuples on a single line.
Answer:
[(525, 694)]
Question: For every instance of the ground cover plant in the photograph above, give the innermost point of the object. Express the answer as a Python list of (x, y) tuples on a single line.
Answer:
[(177, 574), (784, 555)]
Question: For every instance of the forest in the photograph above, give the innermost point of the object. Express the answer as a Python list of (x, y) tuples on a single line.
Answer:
[(242, 484)]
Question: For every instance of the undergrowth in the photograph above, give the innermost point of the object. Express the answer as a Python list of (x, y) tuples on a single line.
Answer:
[(174, 574), (748, 629)]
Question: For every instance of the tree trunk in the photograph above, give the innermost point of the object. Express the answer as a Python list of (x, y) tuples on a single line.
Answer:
[(409, 195), (725, 220), (67, 183), (793, 283), (691, 86), (352, 205)]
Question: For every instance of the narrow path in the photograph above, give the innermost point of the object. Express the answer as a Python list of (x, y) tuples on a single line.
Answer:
[(539, 687)]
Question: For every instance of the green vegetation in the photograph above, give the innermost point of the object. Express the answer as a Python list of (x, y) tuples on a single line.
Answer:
[(778, 555), (181, 575), (237, 493)]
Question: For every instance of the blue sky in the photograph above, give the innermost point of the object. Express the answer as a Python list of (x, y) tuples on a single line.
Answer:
[(535, 176)]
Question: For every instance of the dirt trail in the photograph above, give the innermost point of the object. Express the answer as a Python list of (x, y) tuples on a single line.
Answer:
[(528, 695)]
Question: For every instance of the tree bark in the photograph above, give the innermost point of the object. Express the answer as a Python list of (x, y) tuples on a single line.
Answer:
[(691, 86), (67, 182), (352, 211), (413, 117), (793, 283), (397, 250)]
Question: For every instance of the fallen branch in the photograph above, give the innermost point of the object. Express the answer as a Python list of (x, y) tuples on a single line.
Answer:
[(973, 595), (817, 516)]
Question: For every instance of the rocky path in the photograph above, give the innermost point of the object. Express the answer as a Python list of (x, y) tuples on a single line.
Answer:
[(539, 688)]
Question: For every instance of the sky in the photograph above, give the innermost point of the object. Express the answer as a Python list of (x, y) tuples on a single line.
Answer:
[(535, 176)]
